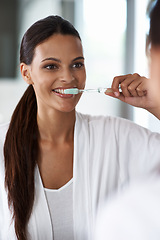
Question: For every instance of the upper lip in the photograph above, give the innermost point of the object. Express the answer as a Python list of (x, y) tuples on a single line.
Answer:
[(60, 89), (63, 87)]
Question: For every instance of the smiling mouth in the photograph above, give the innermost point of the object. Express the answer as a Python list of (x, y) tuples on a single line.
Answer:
[(63, 90), (58, 90)]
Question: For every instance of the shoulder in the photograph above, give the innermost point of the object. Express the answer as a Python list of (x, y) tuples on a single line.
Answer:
[(108, 119), (120, 125), (91, 119), (135, 208)]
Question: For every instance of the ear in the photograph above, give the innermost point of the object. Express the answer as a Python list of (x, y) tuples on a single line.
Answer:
[(25, 72)]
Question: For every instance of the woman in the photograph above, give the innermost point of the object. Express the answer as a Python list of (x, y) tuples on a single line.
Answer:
[(135, 214), (58, 165)]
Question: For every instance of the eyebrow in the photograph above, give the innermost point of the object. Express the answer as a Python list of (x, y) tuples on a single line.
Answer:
[(58, 60)]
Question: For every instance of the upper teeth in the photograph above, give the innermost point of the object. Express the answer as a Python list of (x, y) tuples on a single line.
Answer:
[(59, 90)]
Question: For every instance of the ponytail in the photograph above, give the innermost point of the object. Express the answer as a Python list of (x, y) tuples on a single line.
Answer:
[(20, 155), (21, 147)]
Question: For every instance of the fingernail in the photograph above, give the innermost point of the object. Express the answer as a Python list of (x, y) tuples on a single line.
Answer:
[(116, 94)]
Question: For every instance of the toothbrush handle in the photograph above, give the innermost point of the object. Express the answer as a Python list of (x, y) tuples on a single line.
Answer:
[(88, 90), (99, 90), (103, 90), (108, 90)]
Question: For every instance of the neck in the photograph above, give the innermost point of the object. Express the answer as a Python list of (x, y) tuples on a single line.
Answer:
[(56, 127)]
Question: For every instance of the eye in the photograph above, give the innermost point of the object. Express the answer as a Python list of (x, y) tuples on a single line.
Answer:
[(51, 66), (78, 65)]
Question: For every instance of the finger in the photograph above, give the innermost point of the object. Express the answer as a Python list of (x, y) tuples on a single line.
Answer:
[(117, 81), (142, 88), (135, 88), (134, 101), (125, 81), (138, 86), (112, 94), (128, 86)]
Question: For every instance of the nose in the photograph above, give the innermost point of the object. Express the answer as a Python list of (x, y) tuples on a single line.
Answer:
[(67, 75)]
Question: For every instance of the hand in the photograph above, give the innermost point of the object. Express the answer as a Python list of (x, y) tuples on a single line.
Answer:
[(136, 91)]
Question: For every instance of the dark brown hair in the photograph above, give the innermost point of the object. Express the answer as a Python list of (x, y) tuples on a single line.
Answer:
[(153, 37), (21, 146)]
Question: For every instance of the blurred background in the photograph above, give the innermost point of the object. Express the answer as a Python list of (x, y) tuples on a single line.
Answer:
[(113, 35)]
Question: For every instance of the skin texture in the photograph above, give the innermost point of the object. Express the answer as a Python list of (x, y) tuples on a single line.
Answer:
[(63, 72), (139, 91), (58, 63), (155, 73)]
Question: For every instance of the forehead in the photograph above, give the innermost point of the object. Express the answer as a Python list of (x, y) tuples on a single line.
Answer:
[(59, 46)]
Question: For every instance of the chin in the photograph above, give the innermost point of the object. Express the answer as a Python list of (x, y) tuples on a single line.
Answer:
[(67, 109)]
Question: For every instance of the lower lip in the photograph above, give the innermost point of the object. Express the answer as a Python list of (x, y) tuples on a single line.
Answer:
[(63, 95)]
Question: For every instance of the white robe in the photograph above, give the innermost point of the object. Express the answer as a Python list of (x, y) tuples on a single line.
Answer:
[(133, 214), (108, 153)]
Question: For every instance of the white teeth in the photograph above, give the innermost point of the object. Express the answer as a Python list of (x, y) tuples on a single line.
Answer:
[(59, 91)]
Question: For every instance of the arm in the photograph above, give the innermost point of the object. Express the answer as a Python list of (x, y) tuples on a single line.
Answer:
[(137, 91)]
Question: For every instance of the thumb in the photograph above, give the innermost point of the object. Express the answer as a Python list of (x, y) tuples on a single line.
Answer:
[(134, 101)]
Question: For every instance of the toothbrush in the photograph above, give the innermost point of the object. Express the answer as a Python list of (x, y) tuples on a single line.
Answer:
[(76, 90)]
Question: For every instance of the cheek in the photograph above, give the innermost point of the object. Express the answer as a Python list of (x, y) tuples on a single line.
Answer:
[(155, 65), (155, 76), (83, 79), (40, 80), (155, 69)]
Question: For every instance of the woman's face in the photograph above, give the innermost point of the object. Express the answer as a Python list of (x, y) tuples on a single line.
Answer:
[(58, 63)]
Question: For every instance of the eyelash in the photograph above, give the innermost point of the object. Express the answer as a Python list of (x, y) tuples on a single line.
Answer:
[(77, 65), (51, 66)]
